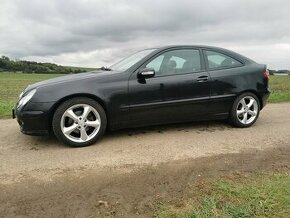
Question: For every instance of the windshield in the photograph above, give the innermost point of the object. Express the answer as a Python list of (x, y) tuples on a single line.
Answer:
[(128, 62)]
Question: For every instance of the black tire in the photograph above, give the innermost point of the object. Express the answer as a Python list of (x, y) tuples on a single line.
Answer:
[(233, 118), (56, 121)]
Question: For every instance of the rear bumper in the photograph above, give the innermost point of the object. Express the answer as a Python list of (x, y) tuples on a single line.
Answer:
[(34, 119), (265, 98)]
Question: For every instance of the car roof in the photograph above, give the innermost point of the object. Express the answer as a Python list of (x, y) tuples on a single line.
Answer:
[(196, 46)]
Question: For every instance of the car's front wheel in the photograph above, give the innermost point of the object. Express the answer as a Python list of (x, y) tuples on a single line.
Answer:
[(79, 122), (245, 110)]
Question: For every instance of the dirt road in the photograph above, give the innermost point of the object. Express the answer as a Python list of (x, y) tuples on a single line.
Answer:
[(37, 173)]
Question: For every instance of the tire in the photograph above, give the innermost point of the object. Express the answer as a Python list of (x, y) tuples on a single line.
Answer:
[(245, 110), (79, 122)]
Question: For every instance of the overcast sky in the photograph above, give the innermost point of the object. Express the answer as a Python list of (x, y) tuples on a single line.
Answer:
[(97, 33)]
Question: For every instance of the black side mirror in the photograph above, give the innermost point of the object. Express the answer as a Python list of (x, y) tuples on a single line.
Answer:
[(146, 73)]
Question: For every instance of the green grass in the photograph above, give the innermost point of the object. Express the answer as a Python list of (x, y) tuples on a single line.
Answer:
[(257, 196), (11, 85), (280, 89)]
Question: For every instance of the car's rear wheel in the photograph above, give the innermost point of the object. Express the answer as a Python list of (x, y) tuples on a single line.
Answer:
[(79, 122), (245, 110)]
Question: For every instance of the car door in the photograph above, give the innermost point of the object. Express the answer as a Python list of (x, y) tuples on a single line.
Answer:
[(179, 91)]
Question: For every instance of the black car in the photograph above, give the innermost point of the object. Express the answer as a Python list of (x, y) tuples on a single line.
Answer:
[(153, 86)]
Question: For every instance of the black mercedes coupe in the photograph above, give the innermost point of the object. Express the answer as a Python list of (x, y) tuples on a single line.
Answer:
[(151, 87)]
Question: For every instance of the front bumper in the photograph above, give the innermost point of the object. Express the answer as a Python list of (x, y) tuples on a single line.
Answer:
[(34, 118)]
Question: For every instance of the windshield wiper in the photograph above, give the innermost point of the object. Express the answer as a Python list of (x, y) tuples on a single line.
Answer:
[(104, 68)]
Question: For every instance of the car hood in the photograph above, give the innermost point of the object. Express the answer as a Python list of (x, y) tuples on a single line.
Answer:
[(70, 78)]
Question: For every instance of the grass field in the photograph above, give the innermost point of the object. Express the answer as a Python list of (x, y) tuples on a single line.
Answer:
[(280, 89), (261, 195), (12, 84)]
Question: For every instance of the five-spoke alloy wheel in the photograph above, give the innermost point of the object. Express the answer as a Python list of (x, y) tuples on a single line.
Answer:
[(79, 122), (245, 110)]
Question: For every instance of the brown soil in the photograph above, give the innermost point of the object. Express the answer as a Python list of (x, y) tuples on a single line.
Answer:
[(134, 194)]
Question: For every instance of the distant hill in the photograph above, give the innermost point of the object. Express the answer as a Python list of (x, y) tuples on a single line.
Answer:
[(8, 65)]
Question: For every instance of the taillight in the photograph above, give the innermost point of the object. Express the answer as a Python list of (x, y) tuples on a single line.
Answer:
[(266, 74)]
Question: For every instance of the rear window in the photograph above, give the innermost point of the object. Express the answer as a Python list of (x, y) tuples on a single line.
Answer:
[(220, 60)]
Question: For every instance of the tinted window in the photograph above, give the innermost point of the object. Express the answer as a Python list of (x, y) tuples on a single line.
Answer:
[(176, 62), (156, 63), (219, 60)]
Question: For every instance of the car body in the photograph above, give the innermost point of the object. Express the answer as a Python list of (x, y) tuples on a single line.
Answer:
[(163, 85)]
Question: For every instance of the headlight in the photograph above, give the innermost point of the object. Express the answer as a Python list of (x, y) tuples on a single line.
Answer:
[(26, 98)]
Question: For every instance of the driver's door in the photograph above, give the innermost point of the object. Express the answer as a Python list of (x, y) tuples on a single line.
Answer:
[(179, 91)]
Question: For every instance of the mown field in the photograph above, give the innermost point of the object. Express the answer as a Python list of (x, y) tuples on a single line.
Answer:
[(11, 85)]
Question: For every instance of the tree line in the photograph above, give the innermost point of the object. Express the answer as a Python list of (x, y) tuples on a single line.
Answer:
[(6, 64)]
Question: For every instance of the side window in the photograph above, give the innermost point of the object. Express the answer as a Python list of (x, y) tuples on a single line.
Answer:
[(156, 63), (179, 61), (218, 60)]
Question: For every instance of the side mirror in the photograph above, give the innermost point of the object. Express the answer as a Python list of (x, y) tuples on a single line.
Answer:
[(146, 73)]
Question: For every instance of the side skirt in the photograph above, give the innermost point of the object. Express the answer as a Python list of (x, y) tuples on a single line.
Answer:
[(130, 124)]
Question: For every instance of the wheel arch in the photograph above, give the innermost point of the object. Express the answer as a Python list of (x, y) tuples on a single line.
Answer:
[(87, 95), (255, 93)]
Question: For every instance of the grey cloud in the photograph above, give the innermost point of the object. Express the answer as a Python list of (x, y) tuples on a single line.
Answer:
[(100, 32)]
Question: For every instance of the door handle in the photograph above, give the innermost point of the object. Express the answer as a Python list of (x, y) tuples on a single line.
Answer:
[(202, 79)]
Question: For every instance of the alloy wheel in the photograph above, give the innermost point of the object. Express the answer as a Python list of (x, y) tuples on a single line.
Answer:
[(80, 123), (247, 110)]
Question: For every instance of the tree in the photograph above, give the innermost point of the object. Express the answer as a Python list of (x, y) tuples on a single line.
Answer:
[(5, 58)]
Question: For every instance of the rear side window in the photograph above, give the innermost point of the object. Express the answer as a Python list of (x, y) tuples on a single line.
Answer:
[(220, 60)]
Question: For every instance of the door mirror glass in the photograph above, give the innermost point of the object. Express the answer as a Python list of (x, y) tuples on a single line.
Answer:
[(146, 73)]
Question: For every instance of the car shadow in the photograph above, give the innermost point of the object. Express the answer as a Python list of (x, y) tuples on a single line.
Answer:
[(200, 126), (50, 141)]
